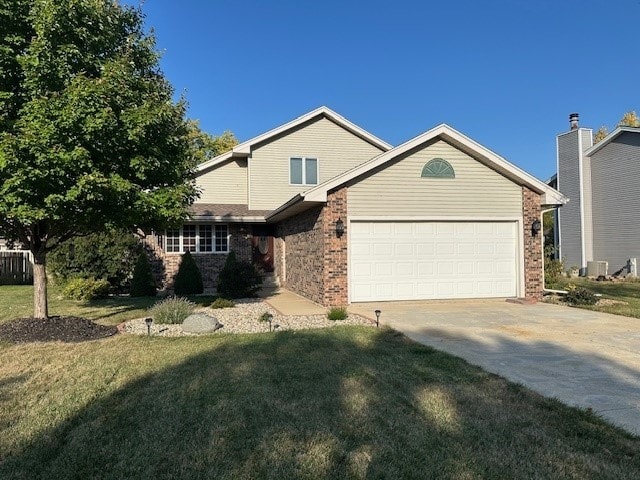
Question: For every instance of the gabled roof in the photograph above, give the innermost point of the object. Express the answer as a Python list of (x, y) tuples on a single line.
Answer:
[(319, 194), (611, 137), (244, 149)]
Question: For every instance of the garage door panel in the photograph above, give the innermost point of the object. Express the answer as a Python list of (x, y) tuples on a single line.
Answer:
[(404, 249), (428, 260), (425, 249), (382, 249), (361, 270)]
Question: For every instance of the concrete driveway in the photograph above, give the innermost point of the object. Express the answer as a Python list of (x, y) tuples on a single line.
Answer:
[(580, 357)]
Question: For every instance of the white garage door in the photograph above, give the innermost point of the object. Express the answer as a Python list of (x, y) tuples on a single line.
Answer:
[(428, 260)]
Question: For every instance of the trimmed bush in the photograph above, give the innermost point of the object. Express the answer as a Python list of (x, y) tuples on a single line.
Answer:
[(171, 310), (143, 284), (238, 279), (337, 313), (86, 289), (222, 303), (110, 255), (188, 280), (580, 296)]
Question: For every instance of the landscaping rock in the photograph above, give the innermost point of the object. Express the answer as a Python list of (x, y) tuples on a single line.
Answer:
[(200, 323)]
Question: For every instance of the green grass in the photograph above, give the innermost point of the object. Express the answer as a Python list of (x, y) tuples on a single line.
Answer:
[(17, 301), (625, 291), (347, 402)]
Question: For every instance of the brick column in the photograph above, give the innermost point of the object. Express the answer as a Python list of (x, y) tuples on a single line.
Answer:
[(334, 275), (533, 263)]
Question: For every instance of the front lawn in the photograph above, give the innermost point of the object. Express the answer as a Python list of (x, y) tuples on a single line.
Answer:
[(16, 301), (626, 292), (344, 402)]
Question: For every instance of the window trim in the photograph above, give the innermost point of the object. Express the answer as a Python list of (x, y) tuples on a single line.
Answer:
[(304, 170), (198, 249), (445, 169)]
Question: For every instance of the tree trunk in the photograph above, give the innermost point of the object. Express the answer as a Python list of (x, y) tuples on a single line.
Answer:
[(40, 306)]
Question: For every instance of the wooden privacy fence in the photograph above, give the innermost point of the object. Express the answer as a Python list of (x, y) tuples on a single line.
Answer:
[(16, 267)]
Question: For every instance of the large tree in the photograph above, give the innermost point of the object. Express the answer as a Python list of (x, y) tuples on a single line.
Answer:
[(89, 134)]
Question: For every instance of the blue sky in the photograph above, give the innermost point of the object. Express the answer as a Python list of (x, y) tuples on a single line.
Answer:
[(507, 73)]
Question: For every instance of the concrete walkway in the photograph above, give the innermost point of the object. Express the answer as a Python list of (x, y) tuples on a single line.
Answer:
[(288, 303), (582, 358)]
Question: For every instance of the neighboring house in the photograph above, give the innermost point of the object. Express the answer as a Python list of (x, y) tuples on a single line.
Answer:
[(340, 216), (600, 223)]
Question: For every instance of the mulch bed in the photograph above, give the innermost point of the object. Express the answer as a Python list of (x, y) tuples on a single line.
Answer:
[(63, 329)]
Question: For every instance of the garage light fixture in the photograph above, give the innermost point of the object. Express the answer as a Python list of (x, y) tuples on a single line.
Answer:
[(339, 228), (536, 226)]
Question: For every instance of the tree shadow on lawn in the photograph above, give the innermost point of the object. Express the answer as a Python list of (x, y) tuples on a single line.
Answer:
[(336, 403)]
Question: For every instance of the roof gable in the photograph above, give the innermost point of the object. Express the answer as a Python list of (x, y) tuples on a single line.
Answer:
[(244, 149), (458, 140), (610, 138)]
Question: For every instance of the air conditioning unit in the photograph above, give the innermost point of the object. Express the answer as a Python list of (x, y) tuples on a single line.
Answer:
[(595, 269)]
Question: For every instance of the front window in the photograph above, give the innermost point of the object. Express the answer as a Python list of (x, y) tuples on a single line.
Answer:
[(198, 239), (303, 171)]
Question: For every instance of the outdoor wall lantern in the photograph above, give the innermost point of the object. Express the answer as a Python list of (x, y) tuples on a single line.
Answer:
[(339, 228), (536, 226), (377, 312), (148, 321)]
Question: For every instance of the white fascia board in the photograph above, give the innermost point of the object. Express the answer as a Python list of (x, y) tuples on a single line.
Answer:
[(495, 161), (609, 138), (212, 162)]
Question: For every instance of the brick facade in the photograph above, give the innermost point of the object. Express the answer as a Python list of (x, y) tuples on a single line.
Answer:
[(310, 259), (165, 265), (335, 273), (299, 254), (533, 260)]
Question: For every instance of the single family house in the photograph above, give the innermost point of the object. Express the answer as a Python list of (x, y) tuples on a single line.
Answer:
[(600, 223), (340, 216)]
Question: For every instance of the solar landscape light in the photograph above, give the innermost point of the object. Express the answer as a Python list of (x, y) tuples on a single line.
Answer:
[(378, 312), (148, 321)]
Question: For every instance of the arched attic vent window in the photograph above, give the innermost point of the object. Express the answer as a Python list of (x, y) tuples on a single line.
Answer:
[(438, 168)]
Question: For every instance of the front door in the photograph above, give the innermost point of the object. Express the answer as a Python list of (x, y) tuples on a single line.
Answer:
[(262, 246)]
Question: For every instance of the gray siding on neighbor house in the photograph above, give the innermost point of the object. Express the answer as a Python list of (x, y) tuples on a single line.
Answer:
[(225, 183), (336, 149), (398, 190), (569, 184), (615, 171)]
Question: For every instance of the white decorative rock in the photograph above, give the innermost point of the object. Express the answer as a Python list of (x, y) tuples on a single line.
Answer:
[(200, 323)]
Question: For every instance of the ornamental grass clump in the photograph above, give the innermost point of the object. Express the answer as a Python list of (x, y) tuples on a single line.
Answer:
[(172, 310), (337, 313)]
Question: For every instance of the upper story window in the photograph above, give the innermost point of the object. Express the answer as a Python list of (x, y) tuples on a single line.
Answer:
[(438, 168), (303, 171), (198, 239)]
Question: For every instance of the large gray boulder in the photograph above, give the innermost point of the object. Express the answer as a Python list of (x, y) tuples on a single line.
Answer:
[(200, 323)]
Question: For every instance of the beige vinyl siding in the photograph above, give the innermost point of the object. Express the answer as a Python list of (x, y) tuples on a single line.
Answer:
[(336, 149), (398, 190), (225, 183), (615, 171), (569, 184)]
